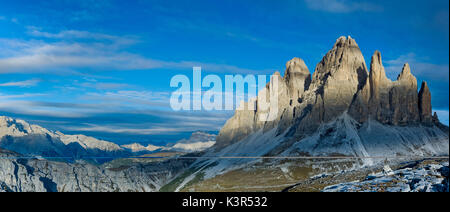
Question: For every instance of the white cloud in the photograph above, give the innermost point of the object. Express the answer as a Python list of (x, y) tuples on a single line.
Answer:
[(122, 130), (20, 96), (342, 6), (138, 100), (106, 52), (26, 83), (137, 107), (77, 35), (31, 108), (165, 128), (104, 86)]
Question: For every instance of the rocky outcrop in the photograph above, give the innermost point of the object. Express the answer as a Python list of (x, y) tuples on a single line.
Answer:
[(425, 104), (297, 78), (416, 177), (388, 102), (264, 113), (373, 99), (340, 84), (238, 126), (340, 74), (19, 174), (404, 98)]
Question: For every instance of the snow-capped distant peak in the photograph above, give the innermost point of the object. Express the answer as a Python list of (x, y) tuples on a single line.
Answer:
[(20, 136), (136, 147), (193, 147), (197, 142), (89, 142)]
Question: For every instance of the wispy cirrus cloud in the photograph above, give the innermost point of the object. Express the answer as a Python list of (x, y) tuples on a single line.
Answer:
[(12, 20), (103, 52), (19, 96), (77, 34), (90, 118), (342, 6), (151, 129), (104, 85), (162, 124), (25, 107), (25, 83), (130, 98)]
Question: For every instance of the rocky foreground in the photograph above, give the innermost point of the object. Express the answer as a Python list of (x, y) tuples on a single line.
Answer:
[(417, 177), (18, 174)]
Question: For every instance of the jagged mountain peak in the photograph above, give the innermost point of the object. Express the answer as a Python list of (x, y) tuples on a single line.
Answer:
[(376, 64), (424, 87), (406, 70), (406, 77), (296, 65), (377, 76), (297, 78), (337, 77), (276, 73), (344, 41), (343, 62), (136, 147), (376, 57), (405, 73), (425, 109)]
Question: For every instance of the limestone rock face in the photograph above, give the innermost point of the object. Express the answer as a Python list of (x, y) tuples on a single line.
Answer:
[(435, 118), (340, 84), (261, 112), (379, 86), (388, 102), (404, 98), (40, 175), (237, 127), (297, 78), (337, 78), (425, 104), (340, 74)]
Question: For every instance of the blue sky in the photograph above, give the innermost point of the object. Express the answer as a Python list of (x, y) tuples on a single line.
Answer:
[(103, 67)]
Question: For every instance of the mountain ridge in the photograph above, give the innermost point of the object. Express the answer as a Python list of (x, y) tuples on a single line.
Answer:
[(33, 140), (198, 141)]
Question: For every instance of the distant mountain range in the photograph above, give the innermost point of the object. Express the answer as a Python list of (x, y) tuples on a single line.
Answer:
[(33, 140), (198, 141)]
